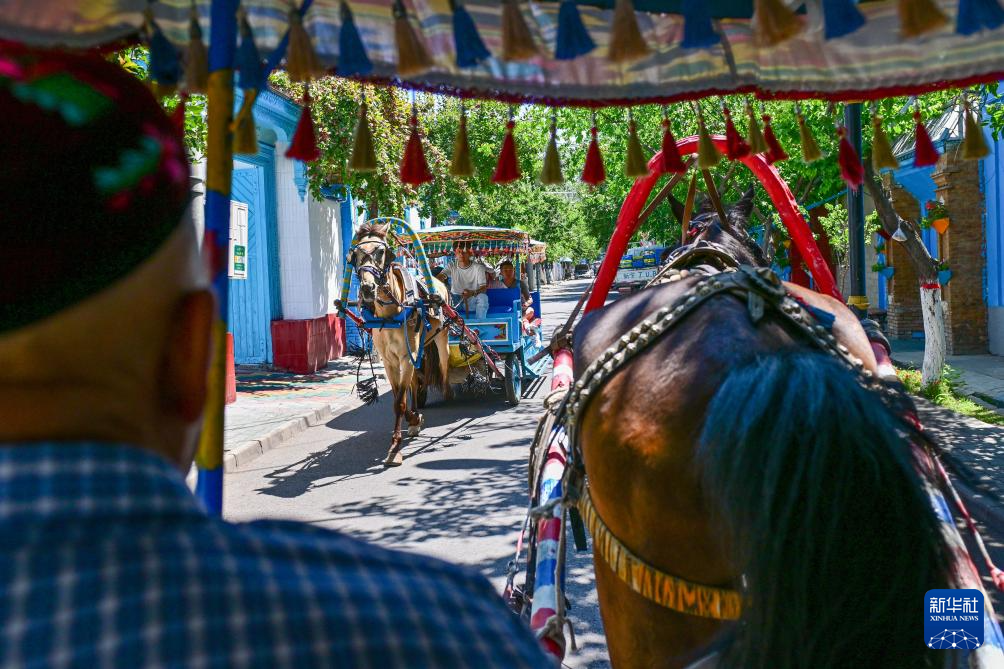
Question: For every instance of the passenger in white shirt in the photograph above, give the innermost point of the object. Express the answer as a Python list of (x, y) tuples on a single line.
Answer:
[(468, 282)]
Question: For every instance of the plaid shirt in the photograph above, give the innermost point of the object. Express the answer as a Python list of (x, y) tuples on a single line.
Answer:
[(108, 561)]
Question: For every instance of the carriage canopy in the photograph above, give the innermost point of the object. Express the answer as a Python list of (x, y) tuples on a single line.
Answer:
[(439, 242), (692, 50)]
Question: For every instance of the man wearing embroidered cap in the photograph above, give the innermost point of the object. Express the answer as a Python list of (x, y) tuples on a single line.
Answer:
[(106, 559)]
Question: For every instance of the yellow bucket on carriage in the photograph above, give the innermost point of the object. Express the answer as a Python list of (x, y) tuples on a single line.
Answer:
[(458, 359)]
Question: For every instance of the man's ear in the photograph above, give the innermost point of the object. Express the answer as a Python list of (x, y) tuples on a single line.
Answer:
[(187, 352)]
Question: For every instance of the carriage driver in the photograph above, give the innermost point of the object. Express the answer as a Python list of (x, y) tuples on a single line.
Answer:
[(468, 281), (106, 557)]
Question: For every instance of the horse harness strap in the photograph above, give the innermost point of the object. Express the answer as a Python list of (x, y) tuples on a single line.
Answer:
[(701, 255), (761, 289), (671, 592)]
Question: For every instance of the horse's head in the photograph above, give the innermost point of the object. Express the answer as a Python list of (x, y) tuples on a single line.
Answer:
[(372, 257), (731, 233)]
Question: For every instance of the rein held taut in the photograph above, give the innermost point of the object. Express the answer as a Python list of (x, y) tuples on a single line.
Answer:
[(760, 289)]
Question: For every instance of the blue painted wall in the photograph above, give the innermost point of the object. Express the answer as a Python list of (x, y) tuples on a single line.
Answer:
[(255, 301)]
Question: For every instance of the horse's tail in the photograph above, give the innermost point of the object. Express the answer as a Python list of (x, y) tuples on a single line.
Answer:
[(433, 373), (825, 514)]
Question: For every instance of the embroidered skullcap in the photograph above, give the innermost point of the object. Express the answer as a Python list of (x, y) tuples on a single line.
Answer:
[(93, 179)]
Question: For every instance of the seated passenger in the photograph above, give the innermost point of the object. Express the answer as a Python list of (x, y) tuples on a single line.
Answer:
[(468, 282), (508, 280), (531, 325), (106, 558)]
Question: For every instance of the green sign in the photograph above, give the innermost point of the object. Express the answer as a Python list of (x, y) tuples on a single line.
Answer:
[(238, 267), (239, 252)]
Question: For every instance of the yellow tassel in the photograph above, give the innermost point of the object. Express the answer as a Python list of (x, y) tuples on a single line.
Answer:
[(412, 57), (626, 43), (917, 17), (707, 153), (974, 144), (550, 173), (773, 22), (245, 134), (302, 62), (810, 148), (754, 136), (197, 59), (882, 155), (363, 158), (460, 164), (517, 42), (635, 163)]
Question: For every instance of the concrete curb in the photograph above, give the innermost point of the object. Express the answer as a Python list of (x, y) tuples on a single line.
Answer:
[(244, 453)]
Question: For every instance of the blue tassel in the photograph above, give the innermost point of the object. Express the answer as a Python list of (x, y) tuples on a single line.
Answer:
[(841, 17), (165, 66), (698, 33), (352, 58), (573, 38), (470, 49), (249, 62), (975, 15)]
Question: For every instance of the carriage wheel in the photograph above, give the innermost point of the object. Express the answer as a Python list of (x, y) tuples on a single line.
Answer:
[(513, 379)]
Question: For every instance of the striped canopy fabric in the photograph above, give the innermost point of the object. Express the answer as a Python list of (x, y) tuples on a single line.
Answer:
[(872, 61), (439, 241)]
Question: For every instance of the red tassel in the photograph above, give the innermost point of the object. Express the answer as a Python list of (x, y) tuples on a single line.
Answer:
[(594, 173), (924, 153), (735, 146), (414, 168), (850, 163), (304, 144), (671, 159), (507, 168), (775, 152)]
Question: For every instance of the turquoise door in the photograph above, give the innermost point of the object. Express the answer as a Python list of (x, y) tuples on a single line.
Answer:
[(252, 303)]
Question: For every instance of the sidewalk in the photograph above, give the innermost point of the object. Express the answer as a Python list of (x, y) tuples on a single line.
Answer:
[(982, 375), (271, 407)]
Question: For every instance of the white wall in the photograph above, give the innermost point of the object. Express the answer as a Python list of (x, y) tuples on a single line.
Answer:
[(327, 254), (295, 252)]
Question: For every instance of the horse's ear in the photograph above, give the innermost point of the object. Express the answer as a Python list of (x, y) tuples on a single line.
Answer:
[(677, 207), (742, 209), (382, 230)]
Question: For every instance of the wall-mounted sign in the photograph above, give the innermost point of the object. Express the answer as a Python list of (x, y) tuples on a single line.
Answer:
[(238, 264)]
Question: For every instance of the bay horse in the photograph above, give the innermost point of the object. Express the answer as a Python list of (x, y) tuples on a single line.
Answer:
[(383, 291), (756, 482)]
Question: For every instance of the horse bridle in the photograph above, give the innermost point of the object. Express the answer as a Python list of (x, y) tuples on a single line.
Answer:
[(364, 261), (760, 288)]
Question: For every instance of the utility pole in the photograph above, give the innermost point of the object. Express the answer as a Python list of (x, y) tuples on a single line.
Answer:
[(858, 299)]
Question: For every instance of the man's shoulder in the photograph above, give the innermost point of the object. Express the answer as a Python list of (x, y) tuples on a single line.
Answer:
[(427, 606)]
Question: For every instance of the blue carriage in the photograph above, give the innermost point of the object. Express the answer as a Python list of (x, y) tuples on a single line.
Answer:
[(506, 328)]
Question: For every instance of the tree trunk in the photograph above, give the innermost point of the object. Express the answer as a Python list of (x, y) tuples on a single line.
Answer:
[(931, 306), (934, 335)]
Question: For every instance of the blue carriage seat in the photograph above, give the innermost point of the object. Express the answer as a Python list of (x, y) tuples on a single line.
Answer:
[(500, 300)]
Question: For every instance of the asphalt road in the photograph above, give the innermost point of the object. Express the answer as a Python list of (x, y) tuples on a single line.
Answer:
[(459, 496)]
